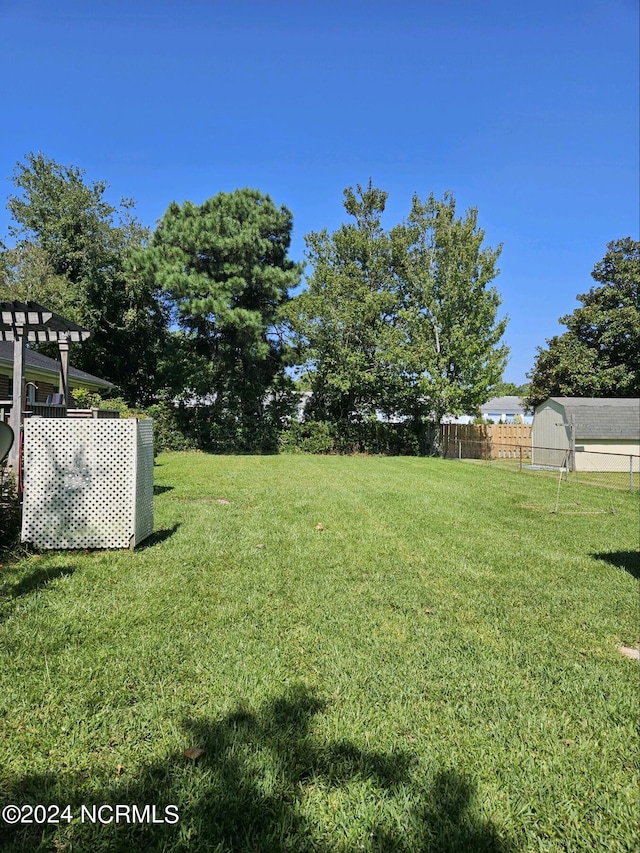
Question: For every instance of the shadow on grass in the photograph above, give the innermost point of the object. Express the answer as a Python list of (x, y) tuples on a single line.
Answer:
[(627, 560), (160, 490), (265, 782), (33, 581), (157, 537)]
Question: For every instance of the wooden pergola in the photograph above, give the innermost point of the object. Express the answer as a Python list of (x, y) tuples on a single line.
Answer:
[(29, 322)]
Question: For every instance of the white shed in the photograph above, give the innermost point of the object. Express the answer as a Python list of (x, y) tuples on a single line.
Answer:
[(577, 428)]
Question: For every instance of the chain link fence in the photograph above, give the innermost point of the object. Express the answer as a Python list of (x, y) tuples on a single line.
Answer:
[(610, 470)]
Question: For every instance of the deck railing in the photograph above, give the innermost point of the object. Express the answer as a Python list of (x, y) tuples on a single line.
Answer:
[(45, 410)]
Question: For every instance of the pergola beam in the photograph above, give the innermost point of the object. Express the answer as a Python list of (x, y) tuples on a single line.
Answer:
[(29, 321), (25, 314)]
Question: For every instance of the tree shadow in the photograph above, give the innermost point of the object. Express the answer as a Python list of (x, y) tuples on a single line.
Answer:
[(449, 823), (249, 791), (627, 560), (35, 580), (157, 537)]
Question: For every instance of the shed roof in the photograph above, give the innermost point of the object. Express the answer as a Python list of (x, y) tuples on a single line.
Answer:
[(48, 365), (603, 417)]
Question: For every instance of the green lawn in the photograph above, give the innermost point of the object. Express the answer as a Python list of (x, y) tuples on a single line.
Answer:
[(434, 670)]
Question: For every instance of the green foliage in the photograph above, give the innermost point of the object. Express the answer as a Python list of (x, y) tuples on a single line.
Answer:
[(308, 437), (29, 275), (224, 270), (119, 405), (371, 436), (510, 389), (9, 511), (168, 432), (85, 399), (598, 355), (399, 322), (447, 314), (341, 321), (77, 254)]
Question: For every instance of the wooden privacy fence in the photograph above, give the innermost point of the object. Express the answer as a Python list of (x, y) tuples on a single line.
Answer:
[(486, 441)]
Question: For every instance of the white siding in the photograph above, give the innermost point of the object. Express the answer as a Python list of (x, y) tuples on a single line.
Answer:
[(607, 455)]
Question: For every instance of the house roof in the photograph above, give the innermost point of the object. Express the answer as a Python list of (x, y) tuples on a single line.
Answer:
[(44, 364), (505, 405), (603, 417)]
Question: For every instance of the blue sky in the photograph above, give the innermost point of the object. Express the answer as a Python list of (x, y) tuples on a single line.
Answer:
[(528, 112)]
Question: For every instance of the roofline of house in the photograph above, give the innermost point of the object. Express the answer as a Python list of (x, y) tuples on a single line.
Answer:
[(78, 377)]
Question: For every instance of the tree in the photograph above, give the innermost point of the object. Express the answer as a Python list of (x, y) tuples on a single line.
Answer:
[(401, 322), (69, 254), (30, 275), (225, 271), (510, 389), (342, 321), (598, 355), (452, 356)]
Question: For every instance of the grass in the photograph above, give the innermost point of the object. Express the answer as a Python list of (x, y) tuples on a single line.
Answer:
[(433, 670)]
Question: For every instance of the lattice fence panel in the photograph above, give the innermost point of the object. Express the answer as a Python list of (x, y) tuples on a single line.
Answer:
[(144, 480), (85, 482)]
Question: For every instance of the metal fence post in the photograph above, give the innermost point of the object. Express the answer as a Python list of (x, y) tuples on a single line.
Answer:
[(631, 473)]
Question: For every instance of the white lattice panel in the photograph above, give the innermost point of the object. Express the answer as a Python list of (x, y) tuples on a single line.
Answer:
[(87, 483), (144, 480)]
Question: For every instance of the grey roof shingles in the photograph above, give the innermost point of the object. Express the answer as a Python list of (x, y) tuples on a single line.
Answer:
[(605, 417), (507, 404), (43, 362)]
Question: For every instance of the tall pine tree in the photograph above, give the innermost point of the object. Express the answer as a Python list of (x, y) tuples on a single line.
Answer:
[(225, 271)]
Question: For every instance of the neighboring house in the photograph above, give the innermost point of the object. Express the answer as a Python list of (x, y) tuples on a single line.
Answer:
[(504, 410), (497, 409), (42, 375), (457, 419), (578, 428)]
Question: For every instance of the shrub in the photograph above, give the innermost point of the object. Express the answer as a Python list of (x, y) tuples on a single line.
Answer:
[(119, 405), (9, 512), (85, 399), (308, 437), (367, 436), (167, 431)]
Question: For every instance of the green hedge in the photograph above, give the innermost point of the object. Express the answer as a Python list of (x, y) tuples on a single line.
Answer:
[(371, 437)]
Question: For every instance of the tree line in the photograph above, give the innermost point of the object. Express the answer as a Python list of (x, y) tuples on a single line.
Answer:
[(198, 320)]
